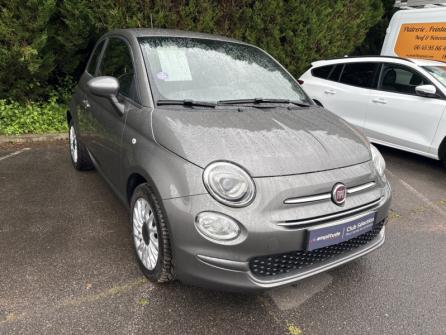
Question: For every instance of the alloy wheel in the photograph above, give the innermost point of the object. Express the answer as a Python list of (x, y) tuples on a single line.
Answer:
[(145, 233), (73, 144)]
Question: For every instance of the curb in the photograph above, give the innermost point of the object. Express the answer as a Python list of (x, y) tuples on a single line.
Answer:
[(29, 138)]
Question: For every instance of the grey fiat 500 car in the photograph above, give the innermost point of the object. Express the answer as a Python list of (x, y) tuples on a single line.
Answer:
[(233, 177)]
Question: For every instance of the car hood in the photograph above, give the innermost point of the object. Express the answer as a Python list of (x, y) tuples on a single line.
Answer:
[(266, 142)]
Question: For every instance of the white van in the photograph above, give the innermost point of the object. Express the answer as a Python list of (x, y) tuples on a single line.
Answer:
[(417, 33)]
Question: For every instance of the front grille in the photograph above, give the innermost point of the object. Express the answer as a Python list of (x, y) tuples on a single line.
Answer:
[(286, 263)]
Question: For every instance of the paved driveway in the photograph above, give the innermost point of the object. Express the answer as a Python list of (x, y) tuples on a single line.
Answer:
[(66, 264)]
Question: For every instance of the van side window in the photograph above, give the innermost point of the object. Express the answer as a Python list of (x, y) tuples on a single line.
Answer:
[(322, 72), (359, 74), (400, 79), (94, 59)]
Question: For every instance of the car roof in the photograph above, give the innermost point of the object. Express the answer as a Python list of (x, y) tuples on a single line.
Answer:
[(427, 62), (156, 32), (391, 59)]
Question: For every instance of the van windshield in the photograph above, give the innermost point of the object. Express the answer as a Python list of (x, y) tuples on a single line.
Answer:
[(438, 72), (212, 70)]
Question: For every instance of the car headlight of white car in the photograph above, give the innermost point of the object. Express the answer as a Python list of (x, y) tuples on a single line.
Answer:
[(229, 184), (378, 160)]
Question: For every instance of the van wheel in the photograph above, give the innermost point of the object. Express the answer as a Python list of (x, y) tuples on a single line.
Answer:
[(150, 235), (78, 153)]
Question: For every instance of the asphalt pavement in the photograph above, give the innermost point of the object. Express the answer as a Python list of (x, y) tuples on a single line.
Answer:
[(67, 265)]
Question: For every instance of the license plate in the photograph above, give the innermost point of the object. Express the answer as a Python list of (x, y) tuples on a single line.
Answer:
[(326, 236)]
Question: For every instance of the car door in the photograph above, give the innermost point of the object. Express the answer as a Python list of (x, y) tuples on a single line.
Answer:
[(350, 95), (108, 122), (397, 116), (321, 79), (84, 115), (346, 90)]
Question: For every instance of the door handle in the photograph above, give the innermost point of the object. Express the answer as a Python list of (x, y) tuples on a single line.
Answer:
[(85, 103), (330, 92), (379, 101)]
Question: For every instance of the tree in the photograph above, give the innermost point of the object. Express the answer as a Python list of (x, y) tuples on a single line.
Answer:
[(26, 63), (43, 41)]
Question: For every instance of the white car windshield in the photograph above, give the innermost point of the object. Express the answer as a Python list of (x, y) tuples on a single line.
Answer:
[(438, 72), (212, 70)]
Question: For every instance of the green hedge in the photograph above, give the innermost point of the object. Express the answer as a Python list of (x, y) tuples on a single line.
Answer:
[(44, 41), (32, 117)]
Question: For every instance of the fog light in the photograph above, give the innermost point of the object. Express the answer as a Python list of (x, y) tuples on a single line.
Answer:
[(217, 226)]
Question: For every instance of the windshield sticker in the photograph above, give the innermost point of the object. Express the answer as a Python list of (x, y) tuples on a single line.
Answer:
[(173, 61), (162, 75)]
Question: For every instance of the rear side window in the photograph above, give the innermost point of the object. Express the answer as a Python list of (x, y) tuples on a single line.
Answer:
[(117, 62), (336, 72), (322, 72), (94, 59), (359, 74)]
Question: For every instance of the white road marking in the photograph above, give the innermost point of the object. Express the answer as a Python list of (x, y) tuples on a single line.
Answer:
[(420, 195), (14, 153), (293, 296)]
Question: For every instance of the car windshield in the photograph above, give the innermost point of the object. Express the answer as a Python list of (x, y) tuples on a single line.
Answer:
[(211, 70), (438, 72)]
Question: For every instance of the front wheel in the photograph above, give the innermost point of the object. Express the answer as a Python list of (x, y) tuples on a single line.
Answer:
[(150, 235)]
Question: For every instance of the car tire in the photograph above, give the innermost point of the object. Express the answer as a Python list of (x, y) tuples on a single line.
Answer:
[(442, 152), (78, 153), (443, 158), (150, 235)]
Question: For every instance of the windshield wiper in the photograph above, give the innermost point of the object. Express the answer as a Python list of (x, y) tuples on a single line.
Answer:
[(262, 100), (186, 102)]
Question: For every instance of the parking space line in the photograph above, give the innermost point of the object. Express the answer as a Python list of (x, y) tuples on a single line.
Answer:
[(420, 195), (14, 153)]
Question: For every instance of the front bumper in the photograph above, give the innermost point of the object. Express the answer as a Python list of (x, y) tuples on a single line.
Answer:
[(229, 266)]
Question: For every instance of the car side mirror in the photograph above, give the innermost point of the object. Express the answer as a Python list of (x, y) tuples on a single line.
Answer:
[(107, 87), (426, 90)]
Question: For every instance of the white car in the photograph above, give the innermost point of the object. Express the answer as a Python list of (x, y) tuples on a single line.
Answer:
[(394, 101)]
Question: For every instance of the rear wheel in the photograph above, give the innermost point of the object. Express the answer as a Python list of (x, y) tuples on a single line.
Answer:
[(150, 235), (79, 155)]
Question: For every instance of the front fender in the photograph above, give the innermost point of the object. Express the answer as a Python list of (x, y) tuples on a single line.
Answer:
[(172, 175)]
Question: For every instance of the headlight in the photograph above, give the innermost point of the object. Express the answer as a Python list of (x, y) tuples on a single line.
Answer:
[(378, 160), (217, 227), (229, 184)]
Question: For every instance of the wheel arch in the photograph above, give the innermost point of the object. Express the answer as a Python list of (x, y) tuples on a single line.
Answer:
[(442, 150), (69, 116), (133, 181), (137, 178)]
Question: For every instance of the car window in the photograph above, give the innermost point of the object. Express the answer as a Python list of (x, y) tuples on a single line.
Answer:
[(400, 79), (438, 72), (322, 71), (94, 59), (336, 72), (117, 62), (359, 74)]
